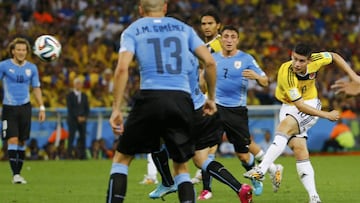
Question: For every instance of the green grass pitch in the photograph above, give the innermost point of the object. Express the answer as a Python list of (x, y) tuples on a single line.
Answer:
[(337, 179)]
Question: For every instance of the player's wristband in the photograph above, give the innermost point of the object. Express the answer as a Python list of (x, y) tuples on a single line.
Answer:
[(42, 108)]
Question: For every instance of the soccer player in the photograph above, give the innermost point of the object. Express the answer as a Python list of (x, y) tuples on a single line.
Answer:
[(300, 110), (210, 25), (206, 133), (18, 75), (234, 70), (163, 108)]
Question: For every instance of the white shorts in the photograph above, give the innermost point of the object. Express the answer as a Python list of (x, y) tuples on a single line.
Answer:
[(305, 121)]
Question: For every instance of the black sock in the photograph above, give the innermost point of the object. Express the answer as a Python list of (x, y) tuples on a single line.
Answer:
[(186, 192), (20, 159), (13, 161), (247, 166), (219, 172), (206, 180), (161, 161), (116, 188)]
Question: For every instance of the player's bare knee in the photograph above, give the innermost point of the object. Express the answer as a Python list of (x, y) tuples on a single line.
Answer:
[(300, 152)]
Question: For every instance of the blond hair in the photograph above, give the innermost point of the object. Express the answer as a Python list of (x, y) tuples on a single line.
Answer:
[(152, 5), (18, 40)]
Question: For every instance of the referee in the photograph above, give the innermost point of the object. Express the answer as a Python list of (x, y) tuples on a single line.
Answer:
[(17, 75)]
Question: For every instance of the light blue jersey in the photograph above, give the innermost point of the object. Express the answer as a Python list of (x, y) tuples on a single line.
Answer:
[(16, 81), (162, 66), (231, 86), (196, 94)]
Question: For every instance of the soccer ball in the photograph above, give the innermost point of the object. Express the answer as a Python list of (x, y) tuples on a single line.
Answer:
[(47, 48)]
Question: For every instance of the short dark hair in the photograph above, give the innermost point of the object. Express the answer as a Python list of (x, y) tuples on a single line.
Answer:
[(303, 49), (211, 13), (229, 27)]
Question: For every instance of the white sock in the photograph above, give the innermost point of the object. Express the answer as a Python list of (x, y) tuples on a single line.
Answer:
[(307, 176), (198, 174), (272, 168), (151, 168), (260, 156), (274, 151)]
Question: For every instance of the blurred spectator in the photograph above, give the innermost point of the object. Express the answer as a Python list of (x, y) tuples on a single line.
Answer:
[(100, 97), (56, 153), (33, 152), (50, 151), (107, 80), (62, 133), (66, 12), (330, 25), (42, 16), (26, 8), (347, 113), (56, 150), (4, 151), (350, 118), (341, 138), (266, 142), (94, 24), (99, 150), (251, 98), (226, 149)]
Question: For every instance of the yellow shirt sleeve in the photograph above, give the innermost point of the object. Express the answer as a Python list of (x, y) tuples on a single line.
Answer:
[(286, 90)]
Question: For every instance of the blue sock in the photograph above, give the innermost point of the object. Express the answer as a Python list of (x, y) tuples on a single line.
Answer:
[(119, 168)]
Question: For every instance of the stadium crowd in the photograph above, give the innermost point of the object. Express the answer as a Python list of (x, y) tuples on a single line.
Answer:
[(89, 31)]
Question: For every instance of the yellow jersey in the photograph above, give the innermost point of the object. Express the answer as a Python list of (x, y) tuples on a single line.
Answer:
[(214, 45), (292, 87)]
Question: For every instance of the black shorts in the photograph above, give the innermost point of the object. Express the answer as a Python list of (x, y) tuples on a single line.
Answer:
[(207, 130), (236, 125), (160, 114), (16, 121)]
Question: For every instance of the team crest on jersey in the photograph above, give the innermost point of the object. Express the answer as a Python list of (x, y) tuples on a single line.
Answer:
[(237, 64), (28, 72), (312, 76)]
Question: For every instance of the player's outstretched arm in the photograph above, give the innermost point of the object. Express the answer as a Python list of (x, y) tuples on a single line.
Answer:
[(333, 115), (341, 63)]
